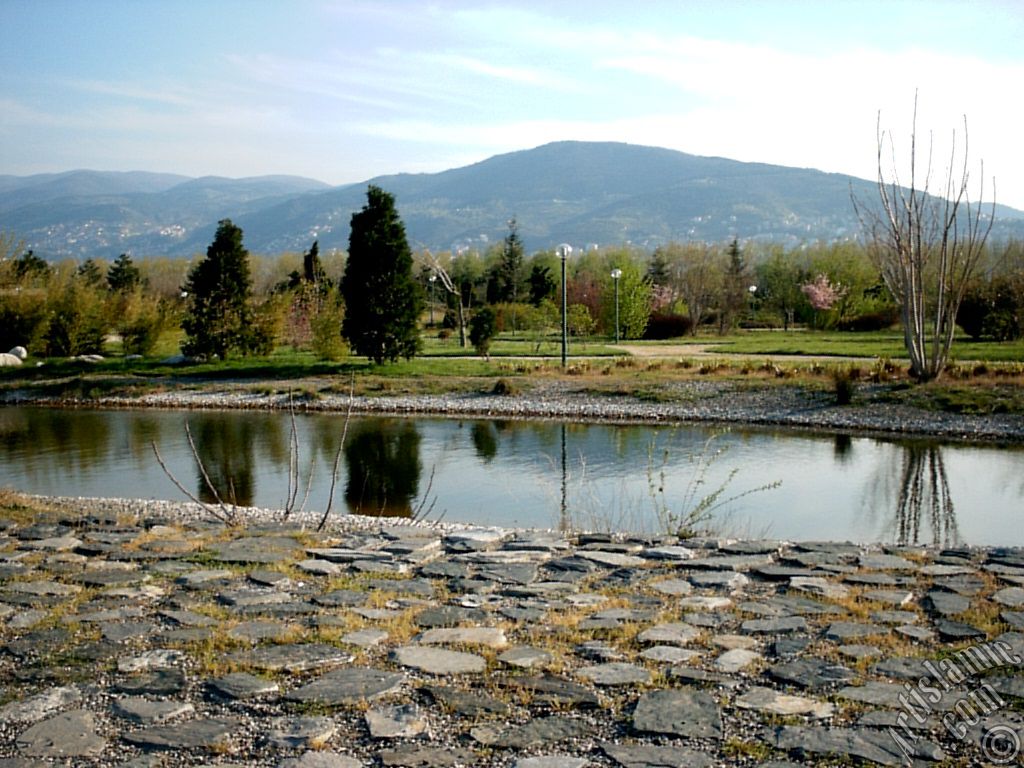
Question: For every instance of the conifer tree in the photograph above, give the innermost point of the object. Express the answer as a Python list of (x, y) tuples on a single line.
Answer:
[(734, 288), (123, 276), (383, 301), (89, 273), (313, 269), (219, 288), (511, 265)]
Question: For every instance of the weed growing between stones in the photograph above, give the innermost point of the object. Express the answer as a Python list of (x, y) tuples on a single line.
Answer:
[(697, 507)]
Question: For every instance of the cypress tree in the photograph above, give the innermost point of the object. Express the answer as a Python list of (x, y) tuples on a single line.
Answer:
[(219, 288), (383, 301)]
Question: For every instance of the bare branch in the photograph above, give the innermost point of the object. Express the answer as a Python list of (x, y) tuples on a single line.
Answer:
[(927, 248), (337, 458), (202, 467), (224, 515), (423, 509)]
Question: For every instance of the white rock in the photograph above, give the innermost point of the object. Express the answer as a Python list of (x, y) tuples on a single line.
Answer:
[(19, 352), (736, 659), (492, 637), (768, 700), (37, 707)]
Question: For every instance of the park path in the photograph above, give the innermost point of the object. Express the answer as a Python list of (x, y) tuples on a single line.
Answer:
[(708, 350)]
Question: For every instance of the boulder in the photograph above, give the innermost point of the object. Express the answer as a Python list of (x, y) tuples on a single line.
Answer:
[(8, 360), (19, 352)]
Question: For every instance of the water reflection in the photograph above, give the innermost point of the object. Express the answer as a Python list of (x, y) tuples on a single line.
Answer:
[(224, 458), (910, 488), (485, 440), (77, 440), (924, 490), (543, 474), (383, 458), (843, 448)]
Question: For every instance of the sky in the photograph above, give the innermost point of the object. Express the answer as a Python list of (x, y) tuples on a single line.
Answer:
[(345, 90)]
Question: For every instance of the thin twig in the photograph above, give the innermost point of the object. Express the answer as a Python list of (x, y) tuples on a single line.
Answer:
[(202, 466), (422, 510), (293, 462), (337, 457), (223, 515)]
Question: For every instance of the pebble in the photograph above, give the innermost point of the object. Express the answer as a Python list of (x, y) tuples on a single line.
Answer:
[(411, 645)]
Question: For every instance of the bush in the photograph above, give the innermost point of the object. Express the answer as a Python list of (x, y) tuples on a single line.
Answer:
[(450, 321), (974, 308), (22, 319), (264, 327), (1002, 325), (77, 323), (482, 329), (328, 343), (664, 325), (139, 337), (505, 387), (138, 320), (994, 310), (878, 320), (579, 320), (844, 385)]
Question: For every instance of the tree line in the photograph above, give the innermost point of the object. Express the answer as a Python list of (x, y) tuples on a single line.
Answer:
[(378, 299)]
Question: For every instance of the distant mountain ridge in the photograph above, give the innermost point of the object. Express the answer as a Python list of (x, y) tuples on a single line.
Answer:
[(577, 192)]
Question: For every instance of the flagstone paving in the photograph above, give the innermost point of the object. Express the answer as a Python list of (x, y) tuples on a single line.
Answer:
[(167, 641)]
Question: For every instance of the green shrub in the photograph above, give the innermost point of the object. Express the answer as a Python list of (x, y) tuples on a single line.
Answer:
[(328, 343), (22, 319), (878, 320), (482, 329), (844, 385), (505, 387), (662, 325), (77, 322)]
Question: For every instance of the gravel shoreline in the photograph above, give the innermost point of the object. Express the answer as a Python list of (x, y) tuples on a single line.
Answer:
[(714, 402)]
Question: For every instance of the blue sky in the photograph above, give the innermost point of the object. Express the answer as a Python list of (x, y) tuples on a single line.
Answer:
[(343, 91)]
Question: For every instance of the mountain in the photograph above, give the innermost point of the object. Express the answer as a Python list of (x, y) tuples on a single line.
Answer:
[(576, 192)]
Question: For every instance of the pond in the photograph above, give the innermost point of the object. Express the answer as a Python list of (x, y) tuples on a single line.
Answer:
[(533, 474)]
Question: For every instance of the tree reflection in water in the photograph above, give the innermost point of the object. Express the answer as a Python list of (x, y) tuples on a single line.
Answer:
[(911, 480), (843, 448), (383, 458), (485, 440), (924, 489), (224, 449)]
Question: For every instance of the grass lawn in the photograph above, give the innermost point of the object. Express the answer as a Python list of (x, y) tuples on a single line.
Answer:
[(521, 345), (883, 344), (987, 378)]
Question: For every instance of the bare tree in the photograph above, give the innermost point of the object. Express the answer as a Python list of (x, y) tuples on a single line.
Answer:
[(450, 287), (927, 247), (693, 275)]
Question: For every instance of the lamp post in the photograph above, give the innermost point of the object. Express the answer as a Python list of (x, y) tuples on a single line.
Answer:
[(616, 274), (563, 252), (432, 279)]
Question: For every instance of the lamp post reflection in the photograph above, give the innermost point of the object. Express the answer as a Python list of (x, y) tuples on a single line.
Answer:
[(564, 524)]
